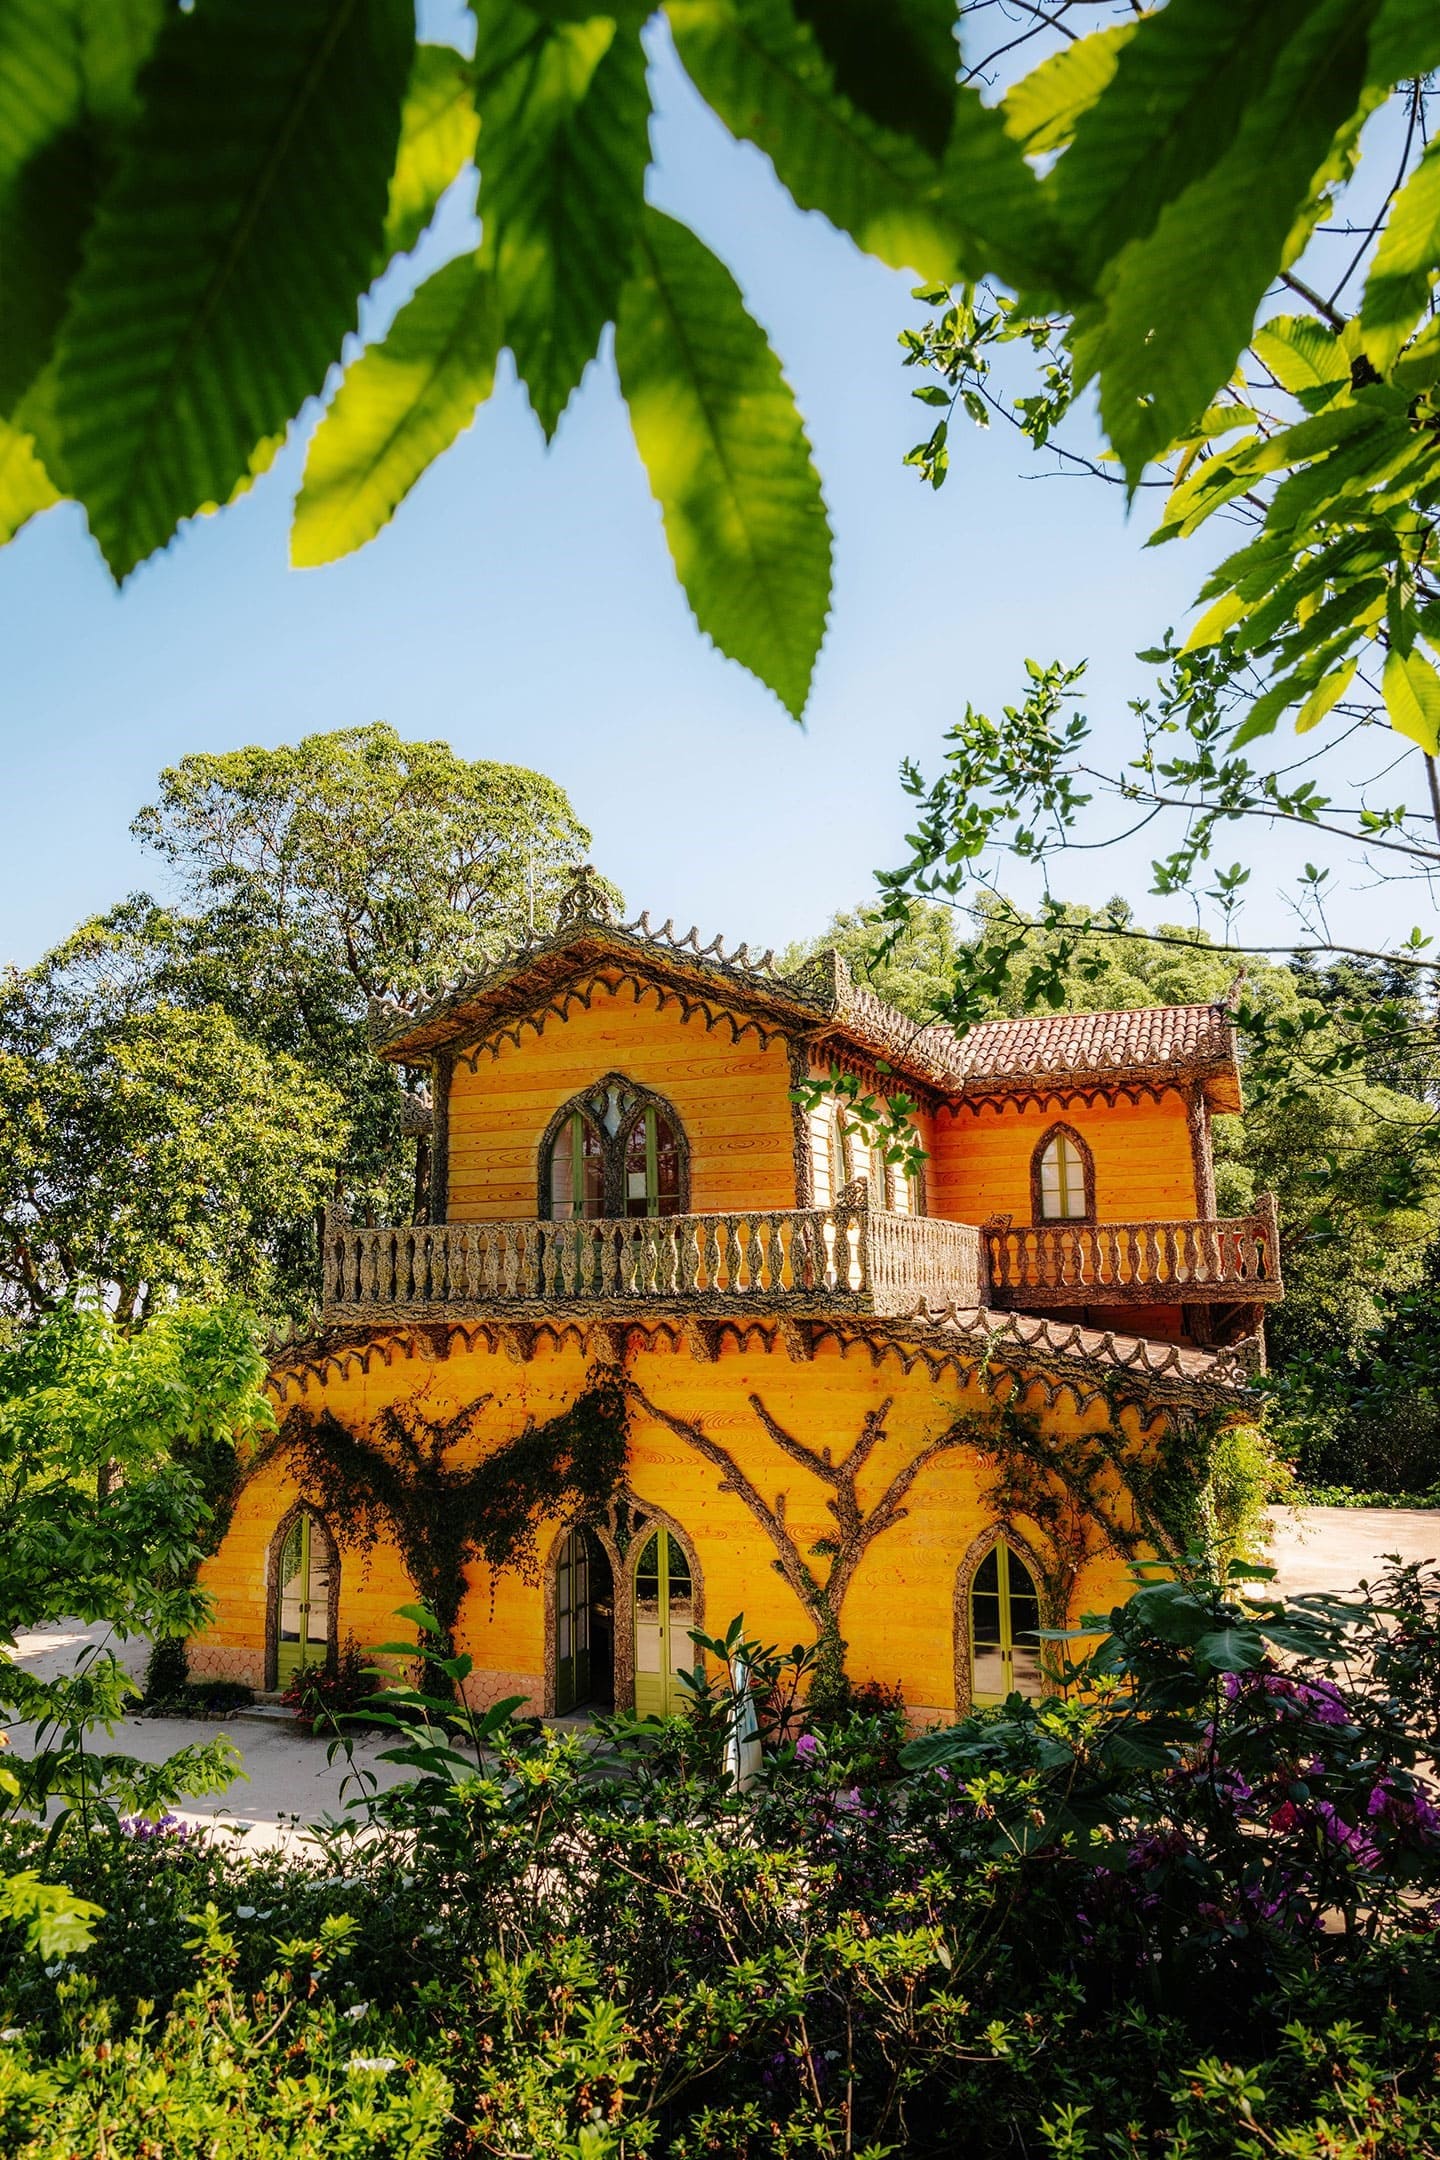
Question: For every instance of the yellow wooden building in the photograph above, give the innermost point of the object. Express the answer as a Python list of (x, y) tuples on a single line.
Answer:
[(919, 1415)]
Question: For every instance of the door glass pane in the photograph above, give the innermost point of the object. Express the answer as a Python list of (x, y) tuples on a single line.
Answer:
[(1024, 1620), (317, 1595), (681, 1607), (652, 1166), (647, 1608), (292, 1581)]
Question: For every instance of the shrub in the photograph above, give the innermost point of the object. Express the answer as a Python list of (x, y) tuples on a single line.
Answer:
[(167, 1669), (322, 1694)]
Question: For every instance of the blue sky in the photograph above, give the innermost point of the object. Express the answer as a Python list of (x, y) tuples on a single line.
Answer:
[(522, 606)]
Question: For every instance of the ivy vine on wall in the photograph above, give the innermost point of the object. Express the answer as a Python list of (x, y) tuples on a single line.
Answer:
[(398, 1476)]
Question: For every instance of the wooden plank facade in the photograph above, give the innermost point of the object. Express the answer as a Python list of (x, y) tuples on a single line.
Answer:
[(827, 1368)]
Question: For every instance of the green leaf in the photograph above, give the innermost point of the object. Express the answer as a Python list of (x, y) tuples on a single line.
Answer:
[(1180, 304), (224, 264), (1231, 1649), (564, 116), (438, 130), (1265, 712), (67, 81), (57, 1923), (1300, 353), (768, 78), (1326, 694), (1398, 286), (895, 60), (1404, 42), (1411, 690), (399, 406), (727, 460), (25, 486), (1183, 85), (1041, 110)]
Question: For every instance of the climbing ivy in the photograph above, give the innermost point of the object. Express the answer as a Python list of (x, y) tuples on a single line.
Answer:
[(397, 1477)]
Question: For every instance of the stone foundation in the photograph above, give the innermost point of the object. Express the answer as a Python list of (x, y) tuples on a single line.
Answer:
[(220, 1661)]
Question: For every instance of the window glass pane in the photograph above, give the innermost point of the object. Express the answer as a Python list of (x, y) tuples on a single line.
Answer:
[(647, 1607), (987, 1575), (667, 1165), (577, 1171), (562, 1172), (985, 1619), (1062, 1181)]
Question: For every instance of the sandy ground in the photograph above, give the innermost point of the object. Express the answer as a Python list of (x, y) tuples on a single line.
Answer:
[(1328, 1548), (288, 1781)]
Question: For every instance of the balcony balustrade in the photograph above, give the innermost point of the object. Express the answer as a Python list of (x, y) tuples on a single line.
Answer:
[(850, 1258), (798, 1260), (1043, 1265)]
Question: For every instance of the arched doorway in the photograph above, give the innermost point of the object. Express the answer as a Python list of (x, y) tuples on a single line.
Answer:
[(665, 1612), (303, 1597), (584, 1624), (1004, 1616)]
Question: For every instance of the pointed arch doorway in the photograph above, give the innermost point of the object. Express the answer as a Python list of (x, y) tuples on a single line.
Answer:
[(303, 1596)]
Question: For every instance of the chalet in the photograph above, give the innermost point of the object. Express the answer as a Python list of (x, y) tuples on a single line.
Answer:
[(912, 1416)]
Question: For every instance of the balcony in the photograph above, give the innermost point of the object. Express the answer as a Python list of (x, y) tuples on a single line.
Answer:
[(1231, 1260), (796, 1261)]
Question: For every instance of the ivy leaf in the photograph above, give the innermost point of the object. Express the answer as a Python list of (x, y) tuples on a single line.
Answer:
[(25, 486), (564, 113), (438, 131), (227, 253), (1180, 304), (1398, 286), (399, 406), (768, 77), (1042, 110), (1411, 690), (67, 83), (727, 460), (895, 60)]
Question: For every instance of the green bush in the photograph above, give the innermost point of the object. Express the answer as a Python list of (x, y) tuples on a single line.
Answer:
[(1186, 1910)]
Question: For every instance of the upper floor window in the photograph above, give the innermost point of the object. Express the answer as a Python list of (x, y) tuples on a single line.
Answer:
[(1063, 1178), (617, 1150)]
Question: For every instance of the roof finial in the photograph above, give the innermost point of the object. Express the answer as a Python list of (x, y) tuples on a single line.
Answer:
[(584, 900)]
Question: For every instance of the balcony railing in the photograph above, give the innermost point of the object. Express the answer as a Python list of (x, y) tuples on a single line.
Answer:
[(1235, 1259), (799, 1260)]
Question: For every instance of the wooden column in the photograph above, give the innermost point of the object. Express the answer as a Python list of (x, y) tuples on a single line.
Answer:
[(1197, 1117), (441, 1069)]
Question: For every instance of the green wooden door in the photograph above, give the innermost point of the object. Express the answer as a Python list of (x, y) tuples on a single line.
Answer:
[(572, 1624), (302, 1631), (664, 1616)]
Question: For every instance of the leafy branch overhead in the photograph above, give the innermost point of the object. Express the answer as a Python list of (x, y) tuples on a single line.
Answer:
[(194, 202)]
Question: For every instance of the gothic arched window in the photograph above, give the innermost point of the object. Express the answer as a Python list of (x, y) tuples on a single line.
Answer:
[(1062, 1178), (617, 1150)]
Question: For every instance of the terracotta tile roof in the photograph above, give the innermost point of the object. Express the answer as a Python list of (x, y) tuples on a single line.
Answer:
[(1097, 1042)]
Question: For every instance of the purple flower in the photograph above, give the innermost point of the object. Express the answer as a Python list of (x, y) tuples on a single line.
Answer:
[(807, 1747)]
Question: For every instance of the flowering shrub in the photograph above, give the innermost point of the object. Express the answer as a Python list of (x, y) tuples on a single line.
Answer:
[(1187, 1910)]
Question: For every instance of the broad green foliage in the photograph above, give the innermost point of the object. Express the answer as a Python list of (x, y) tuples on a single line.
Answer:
[(168, 310), (564, 115), (222, 269), (726, 458), (438, 127), (763, 67), (400, 404)]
